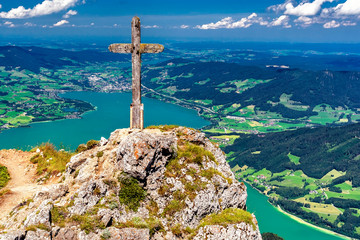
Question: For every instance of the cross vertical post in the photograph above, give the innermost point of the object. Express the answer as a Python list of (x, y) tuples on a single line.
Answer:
[(136, 107), (136, 49)]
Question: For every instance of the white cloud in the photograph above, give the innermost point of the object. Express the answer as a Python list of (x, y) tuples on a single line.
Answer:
[(45, 8), (305, 8), (331, 24), (350, 7), (70, 13), (184, 26), (279, 7), (283, 20), (348, 23), (307, 21), (9, 24), (29, 24), (343, 14), (153, 26), (229, 22), (92, 24), (60, 23), (223, 23), (0, 6)]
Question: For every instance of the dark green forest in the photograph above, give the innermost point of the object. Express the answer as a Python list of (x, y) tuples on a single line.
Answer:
[(320, 150)]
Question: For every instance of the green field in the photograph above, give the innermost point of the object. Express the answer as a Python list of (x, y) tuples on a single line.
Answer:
[(33, 96), (294, 159)]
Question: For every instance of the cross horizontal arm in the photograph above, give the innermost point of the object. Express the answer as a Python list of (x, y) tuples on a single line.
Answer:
[(128, 48), (121, 48), (151, 48)]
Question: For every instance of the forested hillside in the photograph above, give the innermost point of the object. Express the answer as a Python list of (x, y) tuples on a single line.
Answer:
[(228, 83), (320, 150), (310, 172)]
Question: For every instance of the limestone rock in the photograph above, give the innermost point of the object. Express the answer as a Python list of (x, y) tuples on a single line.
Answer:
[(65, 234), (88, 196), (144, 156), (54, 192), (41, 215), (128, 234), (13, 235), (241, 231), (103, 141), (178, 177), (38, 235)]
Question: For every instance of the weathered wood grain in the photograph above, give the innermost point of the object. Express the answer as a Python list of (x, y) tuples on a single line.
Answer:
[(128, 48), (136, 73), (120, 48), (136, 49), (151, 48)]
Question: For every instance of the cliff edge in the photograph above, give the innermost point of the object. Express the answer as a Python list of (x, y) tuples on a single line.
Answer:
[(161, 183)]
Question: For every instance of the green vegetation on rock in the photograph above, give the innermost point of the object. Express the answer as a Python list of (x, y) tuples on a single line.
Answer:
[(4, 176), (88, 222), (38, 226), (228, 216), (49, 160), (131, 193)]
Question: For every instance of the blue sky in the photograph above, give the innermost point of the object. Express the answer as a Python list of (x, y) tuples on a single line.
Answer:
[(186, 20)]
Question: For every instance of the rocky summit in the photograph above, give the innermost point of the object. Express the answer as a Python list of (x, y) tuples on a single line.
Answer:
[(158, 183)]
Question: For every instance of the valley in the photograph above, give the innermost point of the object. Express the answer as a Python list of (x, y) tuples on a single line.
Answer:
[(279, 125)]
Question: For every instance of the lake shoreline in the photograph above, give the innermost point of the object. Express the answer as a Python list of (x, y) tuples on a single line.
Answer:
[(58, 94), (300, 220)]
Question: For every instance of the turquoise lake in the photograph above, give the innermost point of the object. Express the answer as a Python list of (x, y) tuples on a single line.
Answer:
[(112, 113)]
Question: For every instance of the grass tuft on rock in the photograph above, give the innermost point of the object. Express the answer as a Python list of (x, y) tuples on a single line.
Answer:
[(88, 223), (163, 128), (34, 228), (194, 153), (189, 153), (59, 216), (131, 193), (81, 148), (211, 172), (228, 216), (100, 154), (4, 176), (49, 160), (91, 144), (153, 224)]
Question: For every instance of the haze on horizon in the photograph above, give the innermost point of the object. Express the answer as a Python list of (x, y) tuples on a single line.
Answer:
[(331, 21)]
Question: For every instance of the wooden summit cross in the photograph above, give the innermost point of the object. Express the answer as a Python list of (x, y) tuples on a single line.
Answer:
[(136, 49)]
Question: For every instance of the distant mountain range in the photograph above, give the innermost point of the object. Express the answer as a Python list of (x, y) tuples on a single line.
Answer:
[(292, 93), (222, 83), (33, 58)]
